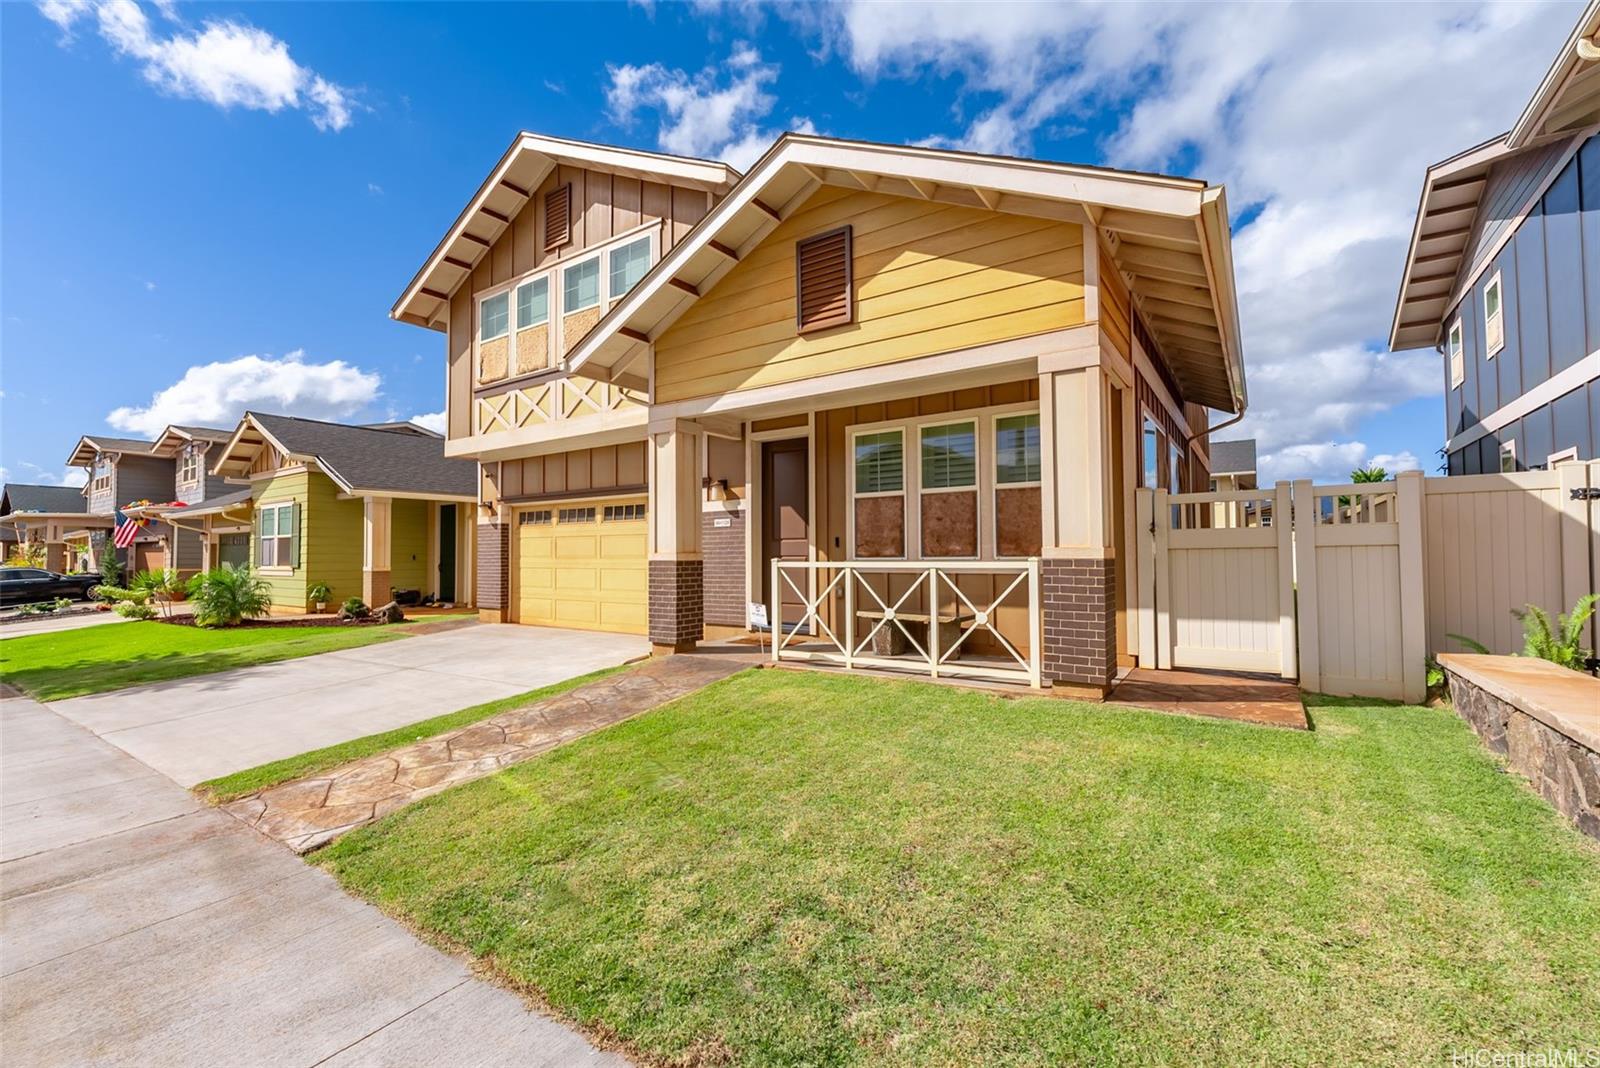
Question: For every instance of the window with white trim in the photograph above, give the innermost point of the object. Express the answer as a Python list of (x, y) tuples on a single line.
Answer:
[(493, 317), (1508, 457), (1018, 478), (947, 505), (1568, 453), (533, 303), (277, 535), (1150, 455), (189, 466), (102, 473), (628, 263), (1494, 327), (878, 512), (1453, 345), (580, 285)]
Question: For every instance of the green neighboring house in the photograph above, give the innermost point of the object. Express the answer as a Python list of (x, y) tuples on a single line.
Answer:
[(367, 510)]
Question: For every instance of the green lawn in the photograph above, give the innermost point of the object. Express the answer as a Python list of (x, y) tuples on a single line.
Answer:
[(71, 663), (250, 780), (798, 869)]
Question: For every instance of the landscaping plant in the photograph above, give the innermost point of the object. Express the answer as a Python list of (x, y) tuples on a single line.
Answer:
[(134, 610), (161, 586), (1560, 644), (27, 554), (227, 595), (319, 594), (354, 608), (110, 567)]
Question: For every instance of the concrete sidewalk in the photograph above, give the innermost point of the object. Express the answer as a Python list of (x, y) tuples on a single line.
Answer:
[(199, 728), (139, 927)]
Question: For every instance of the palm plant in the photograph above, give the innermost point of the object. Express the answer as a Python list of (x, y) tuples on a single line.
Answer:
[(227, 595), (160, 586)]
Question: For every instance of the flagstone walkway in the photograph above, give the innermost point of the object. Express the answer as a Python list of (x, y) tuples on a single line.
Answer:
[(312, 812)]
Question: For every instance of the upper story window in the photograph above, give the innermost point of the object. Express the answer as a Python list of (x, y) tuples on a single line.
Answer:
[(628, 264), (1453, 344), (533, 303), (102, 473), (1508, 457), (580, 286), (493, 317), (1494, 328), (1016, 450), (1150, 474), (189, 466)]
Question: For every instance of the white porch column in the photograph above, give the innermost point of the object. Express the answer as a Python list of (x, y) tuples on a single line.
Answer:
[(677, 597), (375, 527)]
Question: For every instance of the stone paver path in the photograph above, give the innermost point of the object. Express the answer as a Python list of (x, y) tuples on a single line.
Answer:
[(312, 812)]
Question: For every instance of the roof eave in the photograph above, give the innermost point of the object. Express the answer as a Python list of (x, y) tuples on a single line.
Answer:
[(1548, 95)]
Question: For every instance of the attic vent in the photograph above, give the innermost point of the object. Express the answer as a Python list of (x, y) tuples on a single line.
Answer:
[(557, 218), (823, 290)]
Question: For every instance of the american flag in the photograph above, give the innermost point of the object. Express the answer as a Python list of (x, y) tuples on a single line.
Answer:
[(127, 530)]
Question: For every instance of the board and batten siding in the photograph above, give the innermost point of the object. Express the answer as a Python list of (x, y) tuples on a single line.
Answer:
[(929, 278), (1550, 278), (603, 205)]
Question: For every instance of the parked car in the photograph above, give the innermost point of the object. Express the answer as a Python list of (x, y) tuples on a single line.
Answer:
[(25, 585)]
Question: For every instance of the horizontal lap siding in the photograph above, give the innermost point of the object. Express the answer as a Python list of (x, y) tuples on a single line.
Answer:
[(929, 278), (335, 531), (288, 591), (408, 546)]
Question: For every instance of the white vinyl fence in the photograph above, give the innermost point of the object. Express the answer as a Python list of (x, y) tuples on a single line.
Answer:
[(1350, 587)]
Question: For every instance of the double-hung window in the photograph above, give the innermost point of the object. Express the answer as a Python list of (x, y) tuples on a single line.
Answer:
[(189, 467), (1018, 477), (533, 303), (948, 502), (532, 352), (580, 286), (628, 264), (1458, 369), (879, 491), (276, 535), (1494, 325), (493, 320)]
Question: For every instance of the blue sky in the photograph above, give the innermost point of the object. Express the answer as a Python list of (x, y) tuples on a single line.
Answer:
[(212, 207)]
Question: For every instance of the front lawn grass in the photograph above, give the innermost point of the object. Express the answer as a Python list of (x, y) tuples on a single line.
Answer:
[(251, 780), (71, 663), (790, 869)]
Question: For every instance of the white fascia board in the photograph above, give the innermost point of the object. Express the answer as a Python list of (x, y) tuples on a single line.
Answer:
[(1549, 92)]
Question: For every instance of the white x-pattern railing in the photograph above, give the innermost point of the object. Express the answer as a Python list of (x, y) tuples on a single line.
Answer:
[(843, 640)]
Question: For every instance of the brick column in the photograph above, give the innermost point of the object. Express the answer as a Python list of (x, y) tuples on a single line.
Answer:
[(677, 605), (1080, 625), (494, 553)]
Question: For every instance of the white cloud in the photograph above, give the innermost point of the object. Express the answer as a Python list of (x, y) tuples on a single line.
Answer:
[(374, 189), (705, 114), (433, 421), (44, 476), (226, 62), (217, 394), (1321, 117), (1328, 461)]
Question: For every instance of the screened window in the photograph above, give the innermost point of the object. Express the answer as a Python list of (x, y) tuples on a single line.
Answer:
[(492, 317), (950, 456), (880, 462), (277, 535), (580, 286), (1494, 327), (533, 303), (629, 264), (1016, 449), (1458, 371)]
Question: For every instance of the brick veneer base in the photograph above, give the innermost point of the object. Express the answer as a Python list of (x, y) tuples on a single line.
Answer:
[(494, 550), (677, 603), (1080, 622), (722, 548)]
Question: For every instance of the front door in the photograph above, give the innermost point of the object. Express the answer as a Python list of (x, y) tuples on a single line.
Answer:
[(785, 517), (447, 552)]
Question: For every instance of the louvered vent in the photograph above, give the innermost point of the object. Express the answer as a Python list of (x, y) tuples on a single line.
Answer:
[(823, 296), (557, 218)]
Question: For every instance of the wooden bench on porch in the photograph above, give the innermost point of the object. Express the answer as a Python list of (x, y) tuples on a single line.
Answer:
[(890, 640)]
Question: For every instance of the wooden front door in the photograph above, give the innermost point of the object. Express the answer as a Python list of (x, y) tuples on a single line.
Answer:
[(785, 516)]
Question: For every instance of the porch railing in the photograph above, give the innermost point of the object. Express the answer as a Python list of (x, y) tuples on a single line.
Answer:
[(847, 619)]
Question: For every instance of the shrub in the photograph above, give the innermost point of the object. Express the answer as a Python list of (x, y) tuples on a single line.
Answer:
[(27, 554), (227, 595), (354, 606), (39, 608), (110, 566), (107, 592), (134, 610), (319, 592), (1560, 643), (162, 587)]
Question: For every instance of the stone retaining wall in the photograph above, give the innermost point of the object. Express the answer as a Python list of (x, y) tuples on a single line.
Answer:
[(1564, 770)]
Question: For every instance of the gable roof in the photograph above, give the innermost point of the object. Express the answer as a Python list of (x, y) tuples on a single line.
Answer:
[(1233, 457), (1152, 216), (360, 459), (175, 437), (83, 453), (1472, 200), (52, 500), (508, 188)]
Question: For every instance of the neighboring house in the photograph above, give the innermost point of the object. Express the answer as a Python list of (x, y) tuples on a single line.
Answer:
[(1233, 467), (1503, 278), (366, 510), (123, 471), (672, 375), (52, 515)]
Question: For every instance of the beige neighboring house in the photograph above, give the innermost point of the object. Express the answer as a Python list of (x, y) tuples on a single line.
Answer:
[(870, 386), (56, 517), (1233, 467)]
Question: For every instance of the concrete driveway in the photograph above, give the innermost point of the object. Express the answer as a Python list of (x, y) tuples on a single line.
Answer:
[(139, 927), (196, 729)]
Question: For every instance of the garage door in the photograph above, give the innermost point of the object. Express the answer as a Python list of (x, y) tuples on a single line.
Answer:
[(581, 564)]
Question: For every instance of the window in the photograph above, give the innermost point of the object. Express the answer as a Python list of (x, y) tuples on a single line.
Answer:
[(880, 463), (1494, 330), (1508, 457), (492, 317), (577, 515), (1016, 449), (538, 518), (622, 513), (949, 456), (823, 283), (557, 218), (1458, 371), (580, 286), (1568, 453), (276, 536), (879, 505), (533, 303), (1150, 476), (189, 467), (629, 264), (948, 506), (102, 473), (1175, 469)]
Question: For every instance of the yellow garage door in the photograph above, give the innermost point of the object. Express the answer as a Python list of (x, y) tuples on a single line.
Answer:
[(581, 564)]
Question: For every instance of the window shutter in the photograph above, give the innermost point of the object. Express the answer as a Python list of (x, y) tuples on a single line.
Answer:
[(261, 541), (557, 218), (823, 282), (294, 535)]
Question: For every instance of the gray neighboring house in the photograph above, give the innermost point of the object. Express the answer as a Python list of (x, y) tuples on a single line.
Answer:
[(55, 516), (1233, 464)]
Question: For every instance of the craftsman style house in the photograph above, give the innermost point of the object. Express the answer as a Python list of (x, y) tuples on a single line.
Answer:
[(55, 517), (1503, 278), (900, 396)]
